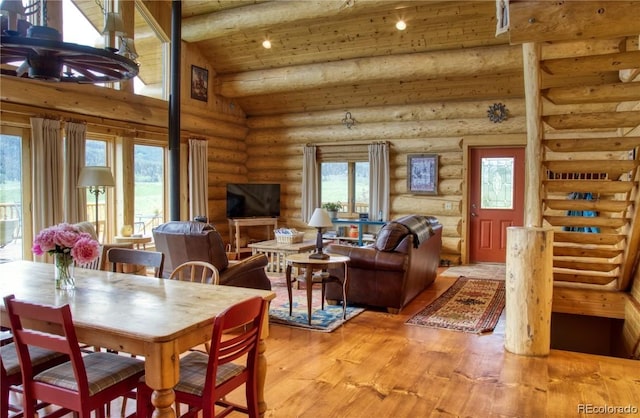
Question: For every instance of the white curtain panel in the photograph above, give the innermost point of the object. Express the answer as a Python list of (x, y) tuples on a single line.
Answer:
[(198, 186), (379, 184), (310, 183), (75, 199), (47, 172)]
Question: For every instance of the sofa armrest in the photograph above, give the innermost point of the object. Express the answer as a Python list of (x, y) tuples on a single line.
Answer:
[(248, 272), (370, 258)]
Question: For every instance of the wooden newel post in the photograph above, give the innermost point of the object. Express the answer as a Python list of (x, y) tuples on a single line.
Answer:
[(529, 290)]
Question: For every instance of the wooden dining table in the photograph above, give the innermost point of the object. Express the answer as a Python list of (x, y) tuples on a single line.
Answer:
[(157, 319)]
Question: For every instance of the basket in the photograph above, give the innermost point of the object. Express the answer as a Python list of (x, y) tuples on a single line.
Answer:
[(290, 238)]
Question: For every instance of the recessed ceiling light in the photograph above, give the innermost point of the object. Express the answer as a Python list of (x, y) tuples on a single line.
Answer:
[(401, 25), (266, 44)]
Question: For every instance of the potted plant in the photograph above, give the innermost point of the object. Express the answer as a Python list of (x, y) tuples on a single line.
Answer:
[(332, 208)]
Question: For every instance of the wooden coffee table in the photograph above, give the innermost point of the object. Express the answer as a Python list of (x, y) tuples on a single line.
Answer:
[(313, 264), (277, 253)]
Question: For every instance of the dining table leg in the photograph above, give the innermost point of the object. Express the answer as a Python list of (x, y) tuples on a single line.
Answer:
[(163, 400)]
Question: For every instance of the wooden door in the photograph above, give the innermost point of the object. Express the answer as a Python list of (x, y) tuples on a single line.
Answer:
[(496, 200)]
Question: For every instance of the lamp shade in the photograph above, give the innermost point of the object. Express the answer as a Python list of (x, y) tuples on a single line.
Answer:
[(320, 219), (95, 176)]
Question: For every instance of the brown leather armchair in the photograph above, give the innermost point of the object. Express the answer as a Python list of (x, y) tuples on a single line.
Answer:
[(393, 271), (182, 241)]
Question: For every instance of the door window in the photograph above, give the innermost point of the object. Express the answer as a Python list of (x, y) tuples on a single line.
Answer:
[(496, 190)]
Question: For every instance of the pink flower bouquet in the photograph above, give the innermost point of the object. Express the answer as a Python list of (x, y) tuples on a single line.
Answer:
[(67, 239)]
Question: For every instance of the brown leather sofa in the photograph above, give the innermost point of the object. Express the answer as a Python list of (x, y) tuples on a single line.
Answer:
[(393, 271), (182, 241)]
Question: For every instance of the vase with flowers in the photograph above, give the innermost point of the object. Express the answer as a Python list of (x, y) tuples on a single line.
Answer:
[(68, 245)]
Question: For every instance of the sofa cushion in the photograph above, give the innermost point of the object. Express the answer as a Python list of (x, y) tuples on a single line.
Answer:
[(390, 236)]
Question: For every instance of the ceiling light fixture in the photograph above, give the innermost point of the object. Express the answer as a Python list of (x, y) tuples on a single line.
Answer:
[(401, 25), (266, 44), (44, 56)]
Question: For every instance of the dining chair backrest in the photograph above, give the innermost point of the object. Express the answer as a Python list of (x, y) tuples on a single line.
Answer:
[(232, 362), (196, 271), (83, 384), (121, 256)]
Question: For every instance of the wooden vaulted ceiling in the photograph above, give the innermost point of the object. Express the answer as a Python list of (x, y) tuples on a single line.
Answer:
[(330, 55), (341, 54)]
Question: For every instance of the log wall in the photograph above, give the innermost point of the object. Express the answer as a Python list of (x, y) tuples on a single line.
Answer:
[(275, 146)]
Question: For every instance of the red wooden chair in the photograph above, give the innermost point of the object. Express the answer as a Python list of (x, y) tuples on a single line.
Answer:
[(11, 378), (82, 384), (206, 379)]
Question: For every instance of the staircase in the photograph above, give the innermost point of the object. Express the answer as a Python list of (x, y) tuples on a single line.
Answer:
[(591, 118)]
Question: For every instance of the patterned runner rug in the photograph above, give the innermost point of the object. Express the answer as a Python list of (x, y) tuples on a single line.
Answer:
[(470, 305), (326, 320)]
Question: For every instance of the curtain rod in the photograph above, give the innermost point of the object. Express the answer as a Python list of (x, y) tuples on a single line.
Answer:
[(343, 144)]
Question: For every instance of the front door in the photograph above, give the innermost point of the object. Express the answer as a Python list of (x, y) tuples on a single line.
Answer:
[(496, 201)]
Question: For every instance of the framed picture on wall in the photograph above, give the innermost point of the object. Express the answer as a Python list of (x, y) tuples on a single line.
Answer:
[(199, 83), (422, 173)]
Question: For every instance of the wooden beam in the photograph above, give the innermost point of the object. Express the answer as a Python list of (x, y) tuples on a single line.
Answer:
[(592, 64), (595, 302), (260, 16), (609, 93), (542, 21), (470, 62), (582, 204), (629, 119), (586, 221), (588, 239), (588, 186), (592, 144), (613, 168), (123, 109)]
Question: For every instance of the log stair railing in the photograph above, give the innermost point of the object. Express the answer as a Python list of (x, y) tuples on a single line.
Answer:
[(595, 238)]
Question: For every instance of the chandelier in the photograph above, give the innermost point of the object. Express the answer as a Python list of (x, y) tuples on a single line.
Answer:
[(44, 56)]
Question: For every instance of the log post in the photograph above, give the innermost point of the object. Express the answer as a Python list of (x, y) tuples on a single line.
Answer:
[(529, 290)]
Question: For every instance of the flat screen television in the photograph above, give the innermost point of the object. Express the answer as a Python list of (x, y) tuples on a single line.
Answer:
[(253, 200)]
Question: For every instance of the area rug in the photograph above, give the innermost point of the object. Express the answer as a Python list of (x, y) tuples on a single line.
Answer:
[(470, 305), (326, 320)]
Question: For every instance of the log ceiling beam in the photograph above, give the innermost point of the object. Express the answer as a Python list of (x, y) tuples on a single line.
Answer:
[(263, 15), (405, 68), (543, 21)]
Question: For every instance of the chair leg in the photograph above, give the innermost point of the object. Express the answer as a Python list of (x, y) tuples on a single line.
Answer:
[(144, 407)]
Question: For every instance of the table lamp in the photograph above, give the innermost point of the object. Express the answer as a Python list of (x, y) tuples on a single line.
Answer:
[(97, 179), (320, 219)]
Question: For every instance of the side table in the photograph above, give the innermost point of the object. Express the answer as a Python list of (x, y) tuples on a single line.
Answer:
[(137, 241), (310, 265)]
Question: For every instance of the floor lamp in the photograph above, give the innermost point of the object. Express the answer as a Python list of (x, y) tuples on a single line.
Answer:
[(97, 179)]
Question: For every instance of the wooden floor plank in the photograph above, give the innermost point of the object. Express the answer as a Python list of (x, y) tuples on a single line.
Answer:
[(377, 366)]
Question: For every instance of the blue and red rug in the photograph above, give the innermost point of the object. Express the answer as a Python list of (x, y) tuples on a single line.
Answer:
[(326, 320)]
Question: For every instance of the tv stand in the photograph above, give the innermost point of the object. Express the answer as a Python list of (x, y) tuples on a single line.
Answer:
[(234, 231)]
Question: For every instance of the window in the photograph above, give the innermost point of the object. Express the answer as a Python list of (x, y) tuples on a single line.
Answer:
[(148, 187), (96, 154), (347, 183), (10, 196), (497, 183)]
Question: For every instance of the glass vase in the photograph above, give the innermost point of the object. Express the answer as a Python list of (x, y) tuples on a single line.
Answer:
[(64, 271)]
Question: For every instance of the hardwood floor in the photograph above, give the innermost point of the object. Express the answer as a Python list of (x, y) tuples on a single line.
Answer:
[(376, 366)]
